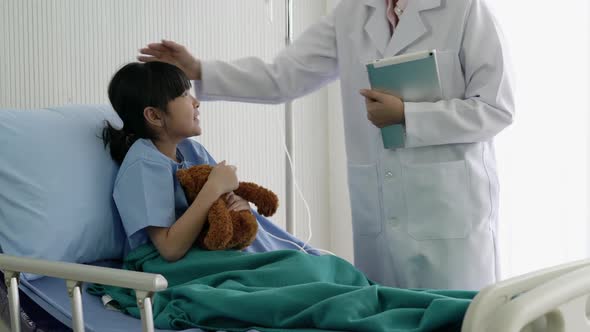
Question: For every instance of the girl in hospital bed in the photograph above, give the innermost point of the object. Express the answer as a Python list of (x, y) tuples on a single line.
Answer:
[(159, 115), (230, 290)]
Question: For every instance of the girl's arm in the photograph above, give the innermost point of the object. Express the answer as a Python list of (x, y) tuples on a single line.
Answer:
[(173, 242)]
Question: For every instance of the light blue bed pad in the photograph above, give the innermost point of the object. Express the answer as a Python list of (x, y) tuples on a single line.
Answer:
[(51, 295)]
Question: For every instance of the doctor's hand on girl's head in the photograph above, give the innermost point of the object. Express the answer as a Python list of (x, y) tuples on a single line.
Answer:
[(383, 109), (172, 53), (223, 178)]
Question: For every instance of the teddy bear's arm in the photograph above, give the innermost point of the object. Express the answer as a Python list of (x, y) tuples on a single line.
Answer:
[(266, 201)]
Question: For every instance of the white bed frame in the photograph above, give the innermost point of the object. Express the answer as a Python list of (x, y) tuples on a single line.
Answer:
[(550, 300), (554, 299), (144, 284)]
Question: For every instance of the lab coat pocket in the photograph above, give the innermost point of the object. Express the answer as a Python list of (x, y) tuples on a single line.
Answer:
[(364, 198), (438, 200)]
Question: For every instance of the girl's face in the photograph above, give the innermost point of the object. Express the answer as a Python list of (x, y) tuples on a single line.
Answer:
[(182, 118)]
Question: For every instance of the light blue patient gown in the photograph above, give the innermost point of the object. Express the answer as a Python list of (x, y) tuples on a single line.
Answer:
[(147, 193)]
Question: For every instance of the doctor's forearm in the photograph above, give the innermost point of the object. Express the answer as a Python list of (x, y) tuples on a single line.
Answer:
[(243, 81), (453, 121), (254, 81), (306, 65)]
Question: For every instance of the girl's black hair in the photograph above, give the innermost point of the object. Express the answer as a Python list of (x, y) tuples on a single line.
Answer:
[(133, 88)]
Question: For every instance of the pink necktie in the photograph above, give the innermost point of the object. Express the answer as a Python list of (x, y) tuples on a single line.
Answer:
[(391, 14)]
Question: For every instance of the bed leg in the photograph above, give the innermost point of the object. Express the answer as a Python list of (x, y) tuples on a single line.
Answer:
[(11, 281), (76, 298), (144, 303)]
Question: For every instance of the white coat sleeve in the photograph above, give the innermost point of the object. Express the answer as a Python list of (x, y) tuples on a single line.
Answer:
[(303, 67), (488, 106)]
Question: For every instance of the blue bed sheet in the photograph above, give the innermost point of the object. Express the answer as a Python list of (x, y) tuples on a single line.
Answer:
[(51, 295)]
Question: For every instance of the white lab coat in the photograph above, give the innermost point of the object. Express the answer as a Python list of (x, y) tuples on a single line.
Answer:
[(424, 216)]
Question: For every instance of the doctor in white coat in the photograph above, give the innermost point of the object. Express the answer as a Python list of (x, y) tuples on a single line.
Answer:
[(425, 215)]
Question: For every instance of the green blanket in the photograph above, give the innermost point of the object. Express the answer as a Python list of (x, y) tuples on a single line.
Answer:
[(282, 291)]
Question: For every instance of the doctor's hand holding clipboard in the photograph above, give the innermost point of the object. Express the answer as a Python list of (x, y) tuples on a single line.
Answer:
[(383, 108), (424, 214)]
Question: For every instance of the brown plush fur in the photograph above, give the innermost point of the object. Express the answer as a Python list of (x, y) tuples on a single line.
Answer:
[(226, 229)]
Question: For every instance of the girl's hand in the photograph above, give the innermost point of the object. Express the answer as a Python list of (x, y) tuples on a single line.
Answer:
[(223, 178), (383, 109), (172, 53), (236, 203)]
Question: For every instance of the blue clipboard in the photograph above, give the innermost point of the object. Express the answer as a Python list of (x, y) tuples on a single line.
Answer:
[(414, 77)]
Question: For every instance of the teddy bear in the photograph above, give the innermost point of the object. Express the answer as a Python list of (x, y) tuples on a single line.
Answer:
[(226, 229)]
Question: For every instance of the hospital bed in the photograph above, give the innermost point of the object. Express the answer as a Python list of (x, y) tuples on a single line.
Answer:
[(47, 293)]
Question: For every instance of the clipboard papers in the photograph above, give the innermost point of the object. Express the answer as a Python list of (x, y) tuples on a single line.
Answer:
[(414, 77)]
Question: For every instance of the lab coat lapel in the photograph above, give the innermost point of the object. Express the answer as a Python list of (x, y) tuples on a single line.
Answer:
[(411, 26), (376, 28)]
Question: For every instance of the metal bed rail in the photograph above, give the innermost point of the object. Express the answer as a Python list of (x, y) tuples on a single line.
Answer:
[(144, 284)]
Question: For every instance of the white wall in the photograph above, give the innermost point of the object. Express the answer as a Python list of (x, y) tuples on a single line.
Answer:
[(311, 145), (65, 51), (341, 219), (543, 156)]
